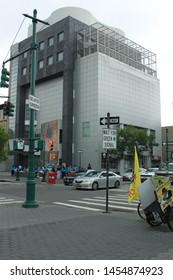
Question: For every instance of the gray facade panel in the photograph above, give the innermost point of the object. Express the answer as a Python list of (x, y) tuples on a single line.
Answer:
[(63, 68)]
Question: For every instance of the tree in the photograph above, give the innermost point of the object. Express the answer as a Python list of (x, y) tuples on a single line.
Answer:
[(130, 136), (4, 136)]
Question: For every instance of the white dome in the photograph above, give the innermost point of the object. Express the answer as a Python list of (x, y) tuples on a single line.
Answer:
[(80, 14)]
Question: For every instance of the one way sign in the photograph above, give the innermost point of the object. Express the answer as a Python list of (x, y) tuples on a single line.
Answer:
[(113, 120), (170, 143)]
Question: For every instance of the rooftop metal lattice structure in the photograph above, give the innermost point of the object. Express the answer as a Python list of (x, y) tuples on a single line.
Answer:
[(100, 38)]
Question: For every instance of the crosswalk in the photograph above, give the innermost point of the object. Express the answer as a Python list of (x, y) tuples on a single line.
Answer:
[(6, 200), (116, 201)]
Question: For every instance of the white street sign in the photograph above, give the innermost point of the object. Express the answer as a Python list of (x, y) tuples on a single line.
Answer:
[(109, 138), (20, 145), (34, 103)]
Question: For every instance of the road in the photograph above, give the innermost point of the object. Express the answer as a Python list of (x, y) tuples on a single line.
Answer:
[(72, 225), (68, 196)]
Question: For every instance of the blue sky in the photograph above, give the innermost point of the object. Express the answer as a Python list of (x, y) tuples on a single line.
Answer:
[(146, 22)]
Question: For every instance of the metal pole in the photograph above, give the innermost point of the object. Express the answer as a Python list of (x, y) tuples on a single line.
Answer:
[(107, 168), (167, 160), (44, 152), (30, 184)]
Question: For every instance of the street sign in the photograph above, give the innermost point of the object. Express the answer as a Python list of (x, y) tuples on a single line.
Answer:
[(38, 145), (109, 138), (34, 102), (18, 145), (113, 120), (170, 143)]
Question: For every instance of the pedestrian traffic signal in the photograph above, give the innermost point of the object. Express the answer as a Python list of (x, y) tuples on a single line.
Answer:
[(8, 109), (4, 78), (51, 142)]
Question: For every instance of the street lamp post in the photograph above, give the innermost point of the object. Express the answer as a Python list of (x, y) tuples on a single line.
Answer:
[(30, 183)]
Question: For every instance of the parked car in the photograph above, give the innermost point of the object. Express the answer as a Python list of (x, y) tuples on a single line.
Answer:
[(69, 178), (96, 180), (148, 173), (128, 175)]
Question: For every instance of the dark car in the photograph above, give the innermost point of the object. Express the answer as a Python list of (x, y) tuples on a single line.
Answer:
[(69, 177)]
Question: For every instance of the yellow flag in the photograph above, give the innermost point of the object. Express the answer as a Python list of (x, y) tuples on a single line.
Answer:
[(133, 190)]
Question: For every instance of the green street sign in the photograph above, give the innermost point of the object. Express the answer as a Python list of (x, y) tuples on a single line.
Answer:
[(38, 145)]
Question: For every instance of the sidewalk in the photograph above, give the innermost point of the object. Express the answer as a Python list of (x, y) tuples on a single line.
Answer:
[(6, 176), (51, 232)]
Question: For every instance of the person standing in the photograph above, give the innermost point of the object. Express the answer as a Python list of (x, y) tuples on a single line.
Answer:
[(89, 166), (12, 170)]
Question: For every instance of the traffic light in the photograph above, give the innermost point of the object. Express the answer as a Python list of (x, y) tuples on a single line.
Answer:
[(5, 108), (4, 78), (51, 142), (8, 109), (11, 110)]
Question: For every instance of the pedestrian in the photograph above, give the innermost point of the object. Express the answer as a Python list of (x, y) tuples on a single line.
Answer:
[(58, 172), (89, 166), (53, 169), (63, 171), (17, 174), (36, 171), (12, 170), (44, 174)]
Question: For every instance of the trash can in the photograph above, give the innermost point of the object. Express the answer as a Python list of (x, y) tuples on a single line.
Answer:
[(52, 177)]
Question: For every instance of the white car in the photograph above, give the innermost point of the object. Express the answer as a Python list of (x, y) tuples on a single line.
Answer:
[(95, 180), (148, 173), (128, 175)]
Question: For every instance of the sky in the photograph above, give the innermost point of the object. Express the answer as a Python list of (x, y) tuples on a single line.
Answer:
[(146, 22)]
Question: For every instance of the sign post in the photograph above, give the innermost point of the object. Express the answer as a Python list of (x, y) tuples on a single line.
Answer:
[(109, 142), (107, 169)]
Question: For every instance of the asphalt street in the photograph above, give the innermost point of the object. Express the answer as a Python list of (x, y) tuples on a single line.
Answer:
[(61, 232)]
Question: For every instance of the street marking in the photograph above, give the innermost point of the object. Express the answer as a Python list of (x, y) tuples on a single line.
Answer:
[(75, 206), (10, 202), (119, 201), (6, 199), (99, 204)]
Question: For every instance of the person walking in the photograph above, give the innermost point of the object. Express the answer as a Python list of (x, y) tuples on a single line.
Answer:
[(89, 166)]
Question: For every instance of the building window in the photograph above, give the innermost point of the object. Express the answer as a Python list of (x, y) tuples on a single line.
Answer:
[(60, 56), (50, 41), (40, 64), (24, 54), (23, 71), (86, 129), (60, 37), (50, 60), (41, 46)]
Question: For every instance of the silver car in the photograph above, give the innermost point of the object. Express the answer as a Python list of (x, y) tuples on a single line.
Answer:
[(96, 180)]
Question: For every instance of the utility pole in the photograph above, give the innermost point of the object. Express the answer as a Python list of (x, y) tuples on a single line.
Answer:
[(30, 184)]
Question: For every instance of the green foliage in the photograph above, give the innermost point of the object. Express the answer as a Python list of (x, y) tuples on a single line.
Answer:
[(130, 136), (4, 136)]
